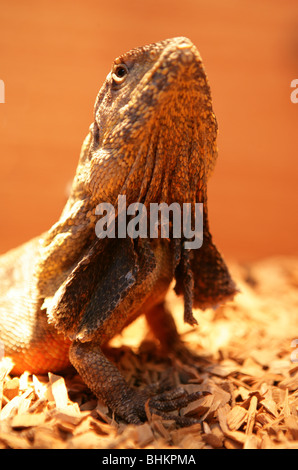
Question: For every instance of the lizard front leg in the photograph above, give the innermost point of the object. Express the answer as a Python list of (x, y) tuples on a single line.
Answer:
[(104, 379), (106, 382)]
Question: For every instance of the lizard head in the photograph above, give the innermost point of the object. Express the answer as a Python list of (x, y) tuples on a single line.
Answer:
[(154, 130)]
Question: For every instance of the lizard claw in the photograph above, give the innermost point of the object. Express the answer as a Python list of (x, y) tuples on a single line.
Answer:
[(171, 401), (133, 409)]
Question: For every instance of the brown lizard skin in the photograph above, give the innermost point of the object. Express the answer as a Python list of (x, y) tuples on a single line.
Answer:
[(67, 293)]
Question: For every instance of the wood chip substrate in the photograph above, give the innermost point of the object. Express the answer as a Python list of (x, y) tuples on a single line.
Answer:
[(244, 361)]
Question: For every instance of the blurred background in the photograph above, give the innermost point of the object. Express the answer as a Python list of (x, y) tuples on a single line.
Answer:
[(54, 57)]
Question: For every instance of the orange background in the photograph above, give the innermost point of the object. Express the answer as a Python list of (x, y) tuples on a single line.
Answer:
[(54, 56)]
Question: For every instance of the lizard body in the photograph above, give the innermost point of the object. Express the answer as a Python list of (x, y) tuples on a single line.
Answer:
[(67, 293)]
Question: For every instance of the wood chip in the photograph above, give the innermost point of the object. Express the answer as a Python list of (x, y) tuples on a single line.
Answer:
[(236, 417), (58, 391), (270, 406), (290, 383), (252, 442), (27, 420), (224, 369), (291, 423), (251, 414), (198, 407), (47, 438), (11, 388), (14, 441), (144, 435), (24, 381), (233, 435)]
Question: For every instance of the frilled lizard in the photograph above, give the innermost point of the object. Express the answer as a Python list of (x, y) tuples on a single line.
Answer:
[(67, 293)]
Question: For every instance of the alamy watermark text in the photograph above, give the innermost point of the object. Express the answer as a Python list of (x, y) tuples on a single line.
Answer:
[(133, 221)]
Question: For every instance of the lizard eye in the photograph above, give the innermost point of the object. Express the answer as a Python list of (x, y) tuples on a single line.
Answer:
[(119, 73)]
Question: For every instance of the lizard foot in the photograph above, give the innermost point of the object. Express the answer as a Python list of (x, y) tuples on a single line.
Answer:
[(105, 380), (139, 405)]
